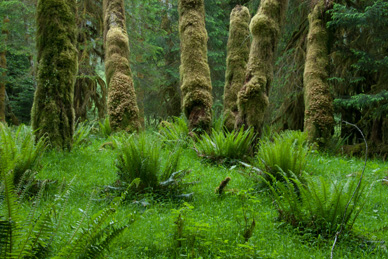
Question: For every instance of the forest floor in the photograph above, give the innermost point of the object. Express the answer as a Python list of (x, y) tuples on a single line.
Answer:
[(211, 225)]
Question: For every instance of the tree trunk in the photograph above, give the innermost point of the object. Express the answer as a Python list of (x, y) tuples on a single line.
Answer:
[(3, 66), (253, 97), (122, 105), (236, 62), (52, 111), (319, 119), (194, 70)]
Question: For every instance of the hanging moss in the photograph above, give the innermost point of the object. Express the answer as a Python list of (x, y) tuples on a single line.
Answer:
[(122, 106), (319, 121), (52, 111), (253, 97), (236, 61), (194, 70)]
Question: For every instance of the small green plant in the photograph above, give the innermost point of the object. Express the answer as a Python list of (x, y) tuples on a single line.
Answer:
[(19, 150), (319, 206), (175, 132), (286, 154), (142, 157), (82, 133), (105, 128), (234, 145)]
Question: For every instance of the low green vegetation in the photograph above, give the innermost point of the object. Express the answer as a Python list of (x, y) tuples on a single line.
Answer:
[(87, 202)]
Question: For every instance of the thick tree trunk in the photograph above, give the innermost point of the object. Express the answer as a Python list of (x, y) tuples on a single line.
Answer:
[(122, 106), (194, 70), (319, 120), (236, 62), (52, 111), (3, 66), (253, 97)]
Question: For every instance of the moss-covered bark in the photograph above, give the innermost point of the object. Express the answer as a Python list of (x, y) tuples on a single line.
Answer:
[(236, 62), (194, 70), (319, 119), (52, 111), (122, 106), (3, 75), (253, 97)]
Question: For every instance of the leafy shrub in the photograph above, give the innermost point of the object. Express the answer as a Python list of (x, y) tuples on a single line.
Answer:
[(141, 157), (319, 206), (175, 132), (18, 150), (225, 145), (105, 128), (286, 154)]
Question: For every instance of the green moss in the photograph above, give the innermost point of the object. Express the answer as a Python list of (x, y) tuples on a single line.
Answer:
[(236, 62), (319, 121), (52, 111), (194, 70), (253, 97), (122, 106)]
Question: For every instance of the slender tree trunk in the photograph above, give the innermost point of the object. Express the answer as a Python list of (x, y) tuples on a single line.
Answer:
[(3, 66), (194, 70), (122, 106), (236, 62), (253, 97), (319, 119), (52, 111)]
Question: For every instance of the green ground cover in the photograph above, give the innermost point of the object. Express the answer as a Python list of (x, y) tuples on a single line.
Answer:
[(208, 225)]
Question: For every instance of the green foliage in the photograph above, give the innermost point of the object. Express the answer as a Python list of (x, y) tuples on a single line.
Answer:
[(320, 206), (18, 150), (142, 157), (105, 128), (220, 145), (82, 133), (175, 132), (286, 154), (23, 237)]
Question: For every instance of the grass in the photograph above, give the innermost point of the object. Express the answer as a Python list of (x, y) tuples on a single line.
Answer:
[(213, 224)]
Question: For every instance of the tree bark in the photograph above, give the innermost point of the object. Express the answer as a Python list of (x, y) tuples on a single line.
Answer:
[(319, 119), (52, 111), (236, 62), (122, 105), (253, 97), (194, 70)]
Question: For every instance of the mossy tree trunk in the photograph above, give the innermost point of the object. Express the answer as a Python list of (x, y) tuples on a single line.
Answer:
[(236, 62), (265, 28), (3, 66), (122, 106), (52, 111), (319, 120), (194, 70)]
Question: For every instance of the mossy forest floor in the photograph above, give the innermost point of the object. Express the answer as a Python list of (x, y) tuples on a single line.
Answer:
[(213, 224)]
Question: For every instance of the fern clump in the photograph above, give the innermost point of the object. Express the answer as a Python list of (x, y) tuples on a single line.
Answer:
[(320, 206), (142, 157), (175, 132), (221, 145), (82, 133), (105, 128), (19, 150), (285, 153)]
